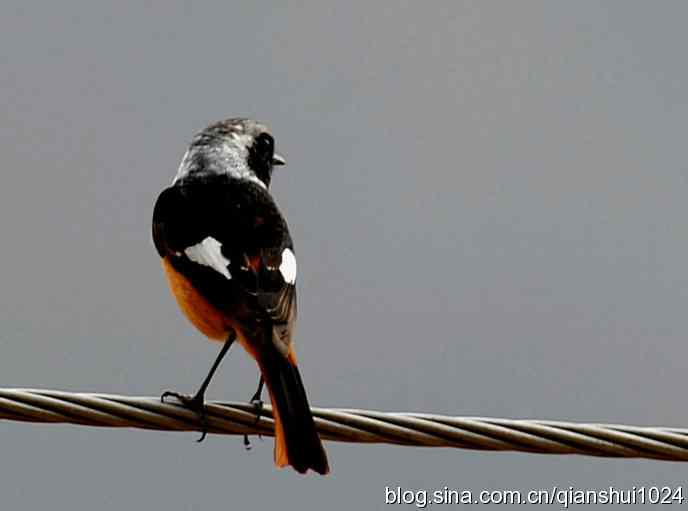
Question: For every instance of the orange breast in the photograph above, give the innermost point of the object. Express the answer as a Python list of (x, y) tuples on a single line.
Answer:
[(204, 316)]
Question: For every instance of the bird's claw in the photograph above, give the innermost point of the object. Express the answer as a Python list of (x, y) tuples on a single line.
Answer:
[(258, 406), (257, 403), (194, 403)]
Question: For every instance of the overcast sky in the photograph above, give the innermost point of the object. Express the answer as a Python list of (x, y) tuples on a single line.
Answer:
[(488, 202)]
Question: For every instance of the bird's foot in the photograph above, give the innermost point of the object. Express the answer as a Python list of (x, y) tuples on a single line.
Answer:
[(257, 403), (194, 403)]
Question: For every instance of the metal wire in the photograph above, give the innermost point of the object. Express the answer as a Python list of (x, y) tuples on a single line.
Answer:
[(348, 425)]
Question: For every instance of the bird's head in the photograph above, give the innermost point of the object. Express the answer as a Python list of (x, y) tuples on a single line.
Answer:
[(240, 148)]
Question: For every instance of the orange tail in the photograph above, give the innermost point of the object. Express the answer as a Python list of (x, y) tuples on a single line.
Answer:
[(297, 442)]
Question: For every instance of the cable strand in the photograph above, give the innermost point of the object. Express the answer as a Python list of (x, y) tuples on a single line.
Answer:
[(353, 426)]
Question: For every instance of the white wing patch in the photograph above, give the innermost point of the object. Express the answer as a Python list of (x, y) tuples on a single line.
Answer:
[(288, 266), (209, 253)]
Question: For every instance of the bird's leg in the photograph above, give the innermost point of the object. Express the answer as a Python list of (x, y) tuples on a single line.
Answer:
[(257, 402), (257, 399), (197, 401)]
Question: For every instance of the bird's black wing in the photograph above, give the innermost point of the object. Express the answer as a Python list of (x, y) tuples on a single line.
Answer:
[(228, 238)]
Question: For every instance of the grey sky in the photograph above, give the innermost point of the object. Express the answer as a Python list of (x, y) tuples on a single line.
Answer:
[(488, 201)]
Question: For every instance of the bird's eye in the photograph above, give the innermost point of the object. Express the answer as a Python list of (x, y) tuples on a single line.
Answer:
[(260, 156), (264, 145)]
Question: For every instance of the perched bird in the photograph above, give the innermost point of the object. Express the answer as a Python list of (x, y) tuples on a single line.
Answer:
[(230, 263)]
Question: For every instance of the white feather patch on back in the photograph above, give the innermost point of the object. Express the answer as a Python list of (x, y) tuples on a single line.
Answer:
[(288, 266), (209, 253)]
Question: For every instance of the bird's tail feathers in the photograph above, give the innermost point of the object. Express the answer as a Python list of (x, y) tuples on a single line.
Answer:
[(297, 442)]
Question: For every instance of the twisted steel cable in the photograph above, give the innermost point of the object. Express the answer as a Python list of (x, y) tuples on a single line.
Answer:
[(349, 425)]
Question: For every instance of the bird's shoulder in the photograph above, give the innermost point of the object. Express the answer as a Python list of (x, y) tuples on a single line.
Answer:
[(229, 210)]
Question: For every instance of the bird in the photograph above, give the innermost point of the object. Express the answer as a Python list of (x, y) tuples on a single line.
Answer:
[(230, 263)]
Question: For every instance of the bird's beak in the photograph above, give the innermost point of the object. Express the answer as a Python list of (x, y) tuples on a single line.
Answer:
[(278, 159)]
